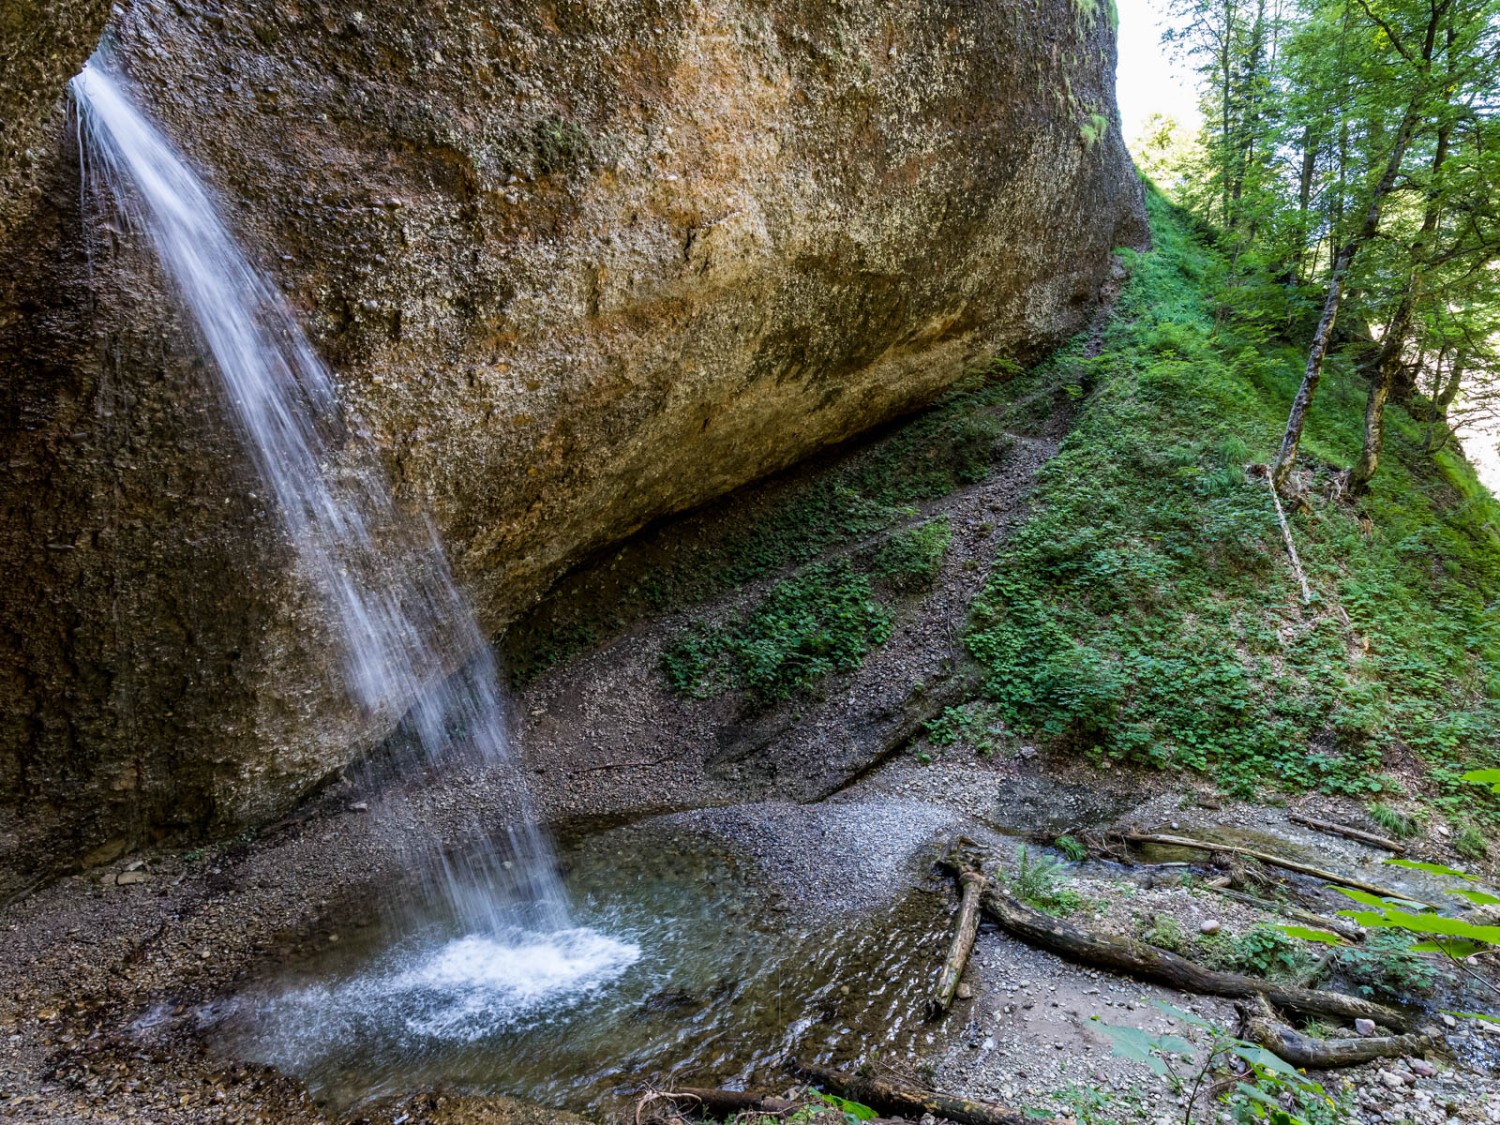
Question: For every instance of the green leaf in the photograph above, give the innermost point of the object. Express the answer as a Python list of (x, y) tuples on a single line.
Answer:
[(1478, 898), (1140, 1046), (1360, 896), (1453, 947), (1185, 1017), (1474, 1016), (1431, 868), (857, 1110), (1264, 1060), (1257, 1095), (1445, 927), (1484, 777), (1307, 933)]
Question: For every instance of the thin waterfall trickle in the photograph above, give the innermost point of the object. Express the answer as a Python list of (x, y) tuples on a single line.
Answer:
[(400, 623)]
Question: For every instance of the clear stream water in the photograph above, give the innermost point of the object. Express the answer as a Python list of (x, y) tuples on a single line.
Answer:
[(708, 976), (398, 624)]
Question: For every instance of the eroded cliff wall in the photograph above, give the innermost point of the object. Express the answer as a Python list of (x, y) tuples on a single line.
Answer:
[(577, 265)]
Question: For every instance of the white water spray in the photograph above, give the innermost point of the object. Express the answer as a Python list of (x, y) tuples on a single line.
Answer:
[(400, 624)]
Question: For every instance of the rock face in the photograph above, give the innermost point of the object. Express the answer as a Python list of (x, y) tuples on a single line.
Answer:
[(577, 265)]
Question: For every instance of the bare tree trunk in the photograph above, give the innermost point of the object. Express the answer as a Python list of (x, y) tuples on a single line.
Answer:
[(1286, 460), (1388, 363)]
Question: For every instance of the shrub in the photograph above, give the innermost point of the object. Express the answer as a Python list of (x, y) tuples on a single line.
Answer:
[(1166, 931), (1397, 823), (1471, 842)]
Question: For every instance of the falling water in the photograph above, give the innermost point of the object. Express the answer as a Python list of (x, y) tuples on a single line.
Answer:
[(399, 622)]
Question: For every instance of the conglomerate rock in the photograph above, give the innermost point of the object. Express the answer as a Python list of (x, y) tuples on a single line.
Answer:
[(577, 265)]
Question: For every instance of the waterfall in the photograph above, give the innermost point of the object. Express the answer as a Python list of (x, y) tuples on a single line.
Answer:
[(399, 623)]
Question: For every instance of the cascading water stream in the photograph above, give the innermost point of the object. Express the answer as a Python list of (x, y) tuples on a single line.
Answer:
[(399, 622)]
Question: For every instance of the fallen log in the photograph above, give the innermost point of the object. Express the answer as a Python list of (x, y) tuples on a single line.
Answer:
[(1344, 927), (1140, 959), (1344, 830), (965, 928), (905, 1101), (1274, 861), (1329, 1054), (715, 1102)]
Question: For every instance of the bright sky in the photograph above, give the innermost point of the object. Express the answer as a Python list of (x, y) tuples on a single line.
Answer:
[(1149, 82)]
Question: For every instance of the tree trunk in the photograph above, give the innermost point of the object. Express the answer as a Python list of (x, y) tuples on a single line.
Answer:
[(964, 932), (904, 1101), (1139, 959), (1351, 833), (1341, 926), (1275, 861), (1326, 1054), (1388, 362), (1286, 459)]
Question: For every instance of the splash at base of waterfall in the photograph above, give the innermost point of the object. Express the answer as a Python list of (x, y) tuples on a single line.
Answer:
[(457, 992)]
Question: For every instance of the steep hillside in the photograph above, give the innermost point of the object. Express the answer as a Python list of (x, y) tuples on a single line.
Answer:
[(1147, 611)]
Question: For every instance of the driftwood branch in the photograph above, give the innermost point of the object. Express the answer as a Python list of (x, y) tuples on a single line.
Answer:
[(726, 1103), (1351, 833), (971, 882), (1137, 958), (905, 1101), (1344, 927), (1328, 1054), (1274, 861)]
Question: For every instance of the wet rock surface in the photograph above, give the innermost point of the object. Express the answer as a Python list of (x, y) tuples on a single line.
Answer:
[(577, 267)]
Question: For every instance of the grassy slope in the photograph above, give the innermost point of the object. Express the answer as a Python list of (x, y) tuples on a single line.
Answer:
[(1146, 611)]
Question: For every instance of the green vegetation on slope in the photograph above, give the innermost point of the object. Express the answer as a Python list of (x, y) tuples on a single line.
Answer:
[(1146, 611), (854, 494)]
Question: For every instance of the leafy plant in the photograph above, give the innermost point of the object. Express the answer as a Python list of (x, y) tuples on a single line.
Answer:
[(1457, 939), (1166, 931), (824, 620), (1386, 965), (853, 1111), (1471, 842), (910, 560), (1398, 824), (1267, 951), (1267, 1086), (1038, 880), (1072, 847)]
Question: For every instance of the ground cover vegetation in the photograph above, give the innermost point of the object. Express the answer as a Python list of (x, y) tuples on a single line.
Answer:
[(1147, 611)]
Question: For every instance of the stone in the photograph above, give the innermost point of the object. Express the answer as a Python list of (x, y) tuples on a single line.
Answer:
[(130, 878), (1449, 1021), (965, 991), (1209, 926), (1364, 1027), (1390, 1079), (833, 237), (1421, 1067)]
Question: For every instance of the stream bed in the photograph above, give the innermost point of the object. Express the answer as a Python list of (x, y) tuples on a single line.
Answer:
[(683, 963)]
